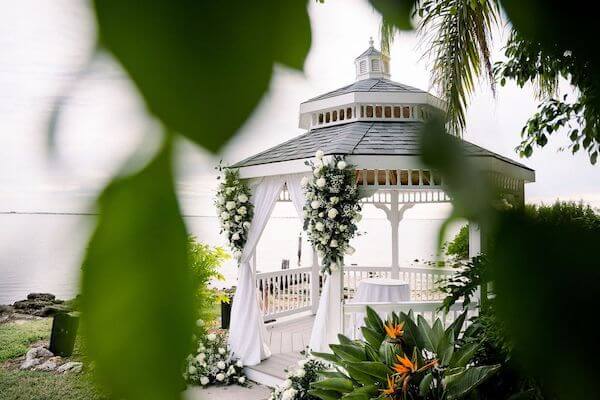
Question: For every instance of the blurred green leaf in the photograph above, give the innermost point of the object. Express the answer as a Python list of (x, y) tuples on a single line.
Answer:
[(203, 66), (459, 384), (396, 12), (545, 275), (340, 385), (136, 286)]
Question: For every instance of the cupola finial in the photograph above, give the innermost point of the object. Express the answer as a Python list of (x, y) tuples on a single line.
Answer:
[(372, 64)]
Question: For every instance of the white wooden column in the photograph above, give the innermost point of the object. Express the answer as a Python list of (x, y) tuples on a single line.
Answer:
[(314, 282), (335, 306), (474, 240)]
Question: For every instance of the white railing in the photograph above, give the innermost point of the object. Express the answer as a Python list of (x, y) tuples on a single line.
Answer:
[(284, 292), (354, 313), (422, 280)]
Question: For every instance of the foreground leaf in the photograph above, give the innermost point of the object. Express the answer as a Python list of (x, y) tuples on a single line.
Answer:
[(136, 292), (340, 385), (464, 382), (203, 66)]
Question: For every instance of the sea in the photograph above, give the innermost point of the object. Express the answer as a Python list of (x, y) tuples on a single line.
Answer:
[(41, 251)]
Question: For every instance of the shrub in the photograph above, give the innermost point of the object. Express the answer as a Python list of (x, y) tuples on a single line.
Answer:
[(205, 262), (404, 359), (459, 246), (297, 383)]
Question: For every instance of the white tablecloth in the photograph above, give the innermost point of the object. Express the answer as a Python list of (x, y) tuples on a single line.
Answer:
[(380, 290), (374, 290)]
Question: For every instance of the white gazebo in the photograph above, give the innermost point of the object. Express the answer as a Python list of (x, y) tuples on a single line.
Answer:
[(375, 123)]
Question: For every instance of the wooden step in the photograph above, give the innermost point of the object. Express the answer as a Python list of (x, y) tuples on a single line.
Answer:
[(271, 372)]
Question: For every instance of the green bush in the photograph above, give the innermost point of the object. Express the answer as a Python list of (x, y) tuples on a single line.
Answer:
[(459, 246), (205, 262), (566, 212), (403, 358)]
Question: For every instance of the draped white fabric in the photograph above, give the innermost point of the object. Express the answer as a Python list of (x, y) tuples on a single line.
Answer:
[(296, 191), (247, 332), (318, 335)]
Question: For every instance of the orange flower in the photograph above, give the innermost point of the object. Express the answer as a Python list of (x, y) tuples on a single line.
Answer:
[(391, 388), (404, 366), (394, 331)]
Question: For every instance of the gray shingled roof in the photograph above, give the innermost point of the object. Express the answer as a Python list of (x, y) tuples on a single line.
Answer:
[(370, 85), (358, 138), (369, 52)]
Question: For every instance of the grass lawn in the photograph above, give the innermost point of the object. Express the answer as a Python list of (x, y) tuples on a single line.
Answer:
[(30, 385), (15, 337)]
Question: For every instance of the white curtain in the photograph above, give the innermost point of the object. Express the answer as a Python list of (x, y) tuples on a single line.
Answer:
[(318, 336), (296, 191), (247, 332)]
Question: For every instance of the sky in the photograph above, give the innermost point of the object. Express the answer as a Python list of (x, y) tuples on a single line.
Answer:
[(45, 46)]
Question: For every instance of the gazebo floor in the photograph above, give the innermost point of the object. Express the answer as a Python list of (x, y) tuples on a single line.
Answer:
[(286, 339)]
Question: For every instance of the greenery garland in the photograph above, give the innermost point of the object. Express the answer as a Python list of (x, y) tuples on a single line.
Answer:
[(332, 209), (234, 209)]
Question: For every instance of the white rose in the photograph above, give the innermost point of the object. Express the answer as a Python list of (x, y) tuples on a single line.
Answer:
[(289, 394), (221, 350), (199, 322), (333, 267), (319, 154), (242, 198), (317, 171), (357, 217), (342, 228), (230, 205), (211, 337), (226, 225), (302, 363), (200, 357), (242, 379), (221, 200), (204, 380), (319, 164), (221, 365), (192, 370), (315, 204), (242, 210), (229, 190), (231, 370), (321, 182), (334, 200), (225, 215), (333, 243), (320, 226), (321, 215), (341, 164), (332, 213), (300, 373), (238, 218), (350, 250), (220, 377), (235, 236), (304, 181), (237, 253), (239, 364), (246, 225), (287, 384), (201, 348)]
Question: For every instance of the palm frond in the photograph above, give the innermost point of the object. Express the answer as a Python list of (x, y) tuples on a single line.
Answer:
[(458, 34), (387, 31)]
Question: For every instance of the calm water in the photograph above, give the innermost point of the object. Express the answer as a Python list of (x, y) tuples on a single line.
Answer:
[(44, 252)]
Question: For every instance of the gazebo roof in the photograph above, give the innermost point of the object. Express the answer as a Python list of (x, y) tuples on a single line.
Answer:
[(370, 85), (360, 138)]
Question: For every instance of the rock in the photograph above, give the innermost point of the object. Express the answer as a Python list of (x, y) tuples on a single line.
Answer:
[(48, 311), (38, 352), (49, 365), (30, 362), (6, 309), (41, 296), (70, 367)]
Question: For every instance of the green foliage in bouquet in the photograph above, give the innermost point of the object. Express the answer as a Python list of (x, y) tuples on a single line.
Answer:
[(234, 209), (402, 358), (296, 386), (332, 209), (211, 363)]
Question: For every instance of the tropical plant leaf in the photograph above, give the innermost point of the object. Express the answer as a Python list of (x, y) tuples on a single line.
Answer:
[(332, 374), (445, 348), (462, 356), (325, 394), (388, 352), (429, 339), (425, 384), (193, 60), (363, 393), (458, 385), (373, 321), (327, 357), (372, 337), (360, 375), (373, 368), (397, 13), (348, 352), (457, 324), (372, 354), (345, 340), (411, 334), (341, 385), (136, 288)]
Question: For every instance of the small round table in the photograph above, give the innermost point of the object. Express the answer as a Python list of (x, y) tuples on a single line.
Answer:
[(381, 290)]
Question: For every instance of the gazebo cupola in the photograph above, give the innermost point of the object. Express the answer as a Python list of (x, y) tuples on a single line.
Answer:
[(372, 64)]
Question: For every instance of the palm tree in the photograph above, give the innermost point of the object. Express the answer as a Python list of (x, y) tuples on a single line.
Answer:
[(457, 34)]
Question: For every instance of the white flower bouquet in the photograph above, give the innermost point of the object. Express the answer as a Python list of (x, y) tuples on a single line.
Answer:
[(211, 363), (234, 209), (332, 208), (297, 383)]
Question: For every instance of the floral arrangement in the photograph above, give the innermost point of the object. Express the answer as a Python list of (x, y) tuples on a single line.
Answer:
[(297, 383), (234, 209), (211, 363), (332, 209)]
